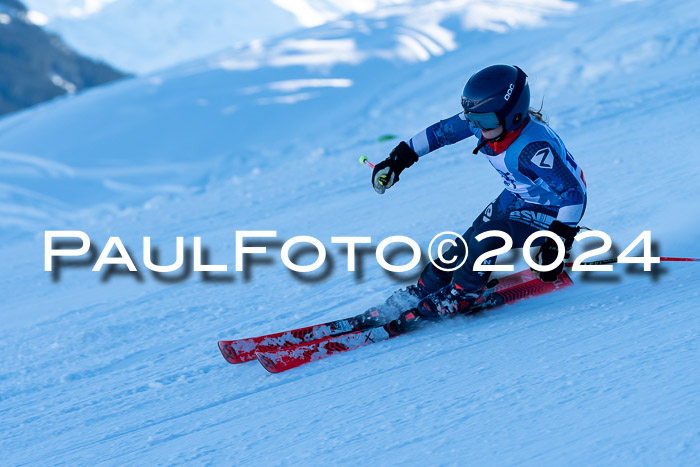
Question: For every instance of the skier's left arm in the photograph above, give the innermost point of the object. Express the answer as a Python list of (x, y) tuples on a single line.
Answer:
[(566, 189)]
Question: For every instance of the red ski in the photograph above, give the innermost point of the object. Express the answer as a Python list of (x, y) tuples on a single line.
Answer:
[(282, 359), (243, 350), (278, 360)]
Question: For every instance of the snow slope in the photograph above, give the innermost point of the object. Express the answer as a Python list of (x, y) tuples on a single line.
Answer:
[(115, 370), (142, 37)]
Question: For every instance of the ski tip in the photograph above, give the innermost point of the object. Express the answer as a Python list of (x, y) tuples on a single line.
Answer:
[(267, 362), (229, 353)]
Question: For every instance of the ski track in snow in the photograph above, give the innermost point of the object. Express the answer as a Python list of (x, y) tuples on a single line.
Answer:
[(127, 372)]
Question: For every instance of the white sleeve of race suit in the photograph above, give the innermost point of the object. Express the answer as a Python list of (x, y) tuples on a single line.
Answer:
[(420, 143)]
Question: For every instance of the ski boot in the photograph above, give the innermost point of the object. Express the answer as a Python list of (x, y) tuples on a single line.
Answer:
[(448, 301), (406, 298), (400, 300)]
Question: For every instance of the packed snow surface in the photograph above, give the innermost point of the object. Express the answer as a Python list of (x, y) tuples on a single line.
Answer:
[(123, 369)]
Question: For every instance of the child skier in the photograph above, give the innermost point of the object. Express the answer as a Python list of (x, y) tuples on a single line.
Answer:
[(544, 187)]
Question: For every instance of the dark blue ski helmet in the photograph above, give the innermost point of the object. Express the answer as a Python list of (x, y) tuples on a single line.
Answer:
[(497, 92)]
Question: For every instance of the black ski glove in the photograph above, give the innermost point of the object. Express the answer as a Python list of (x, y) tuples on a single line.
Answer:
[(387, 172), (548, 251)]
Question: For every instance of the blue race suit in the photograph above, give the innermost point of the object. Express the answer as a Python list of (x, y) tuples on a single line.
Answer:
[(542, 183)]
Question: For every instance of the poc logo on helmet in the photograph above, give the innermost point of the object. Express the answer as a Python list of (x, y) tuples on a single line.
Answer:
[(510, 91)]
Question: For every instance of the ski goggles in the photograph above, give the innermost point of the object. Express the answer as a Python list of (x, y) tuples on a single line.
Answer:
[(484, 121)]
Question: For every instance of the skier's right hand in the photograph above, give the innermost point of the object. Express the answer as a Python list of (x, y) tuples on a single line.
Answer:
[(387, 172), (549, 250)]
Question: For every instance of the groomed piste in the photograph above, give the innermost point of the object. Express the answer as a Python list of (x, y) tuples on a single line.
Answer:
[(266, 136)]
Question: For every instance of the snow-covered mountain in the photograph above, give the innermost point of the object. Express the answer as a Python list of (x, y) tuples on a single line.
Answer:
[(146, 36), (120, 369), (37, 66)]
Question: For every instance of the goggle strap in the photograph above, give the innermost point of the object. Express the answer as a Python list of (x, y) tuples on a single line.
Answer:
[(479, 146)]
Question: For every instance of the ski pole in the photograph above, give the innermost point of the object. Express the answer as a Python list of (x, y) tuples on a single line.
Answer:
[(614, 260), (364, 160)]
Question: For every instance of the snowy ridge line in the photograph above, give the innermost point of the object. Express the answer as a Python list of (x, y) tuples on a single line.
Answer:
[(98, 28)]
